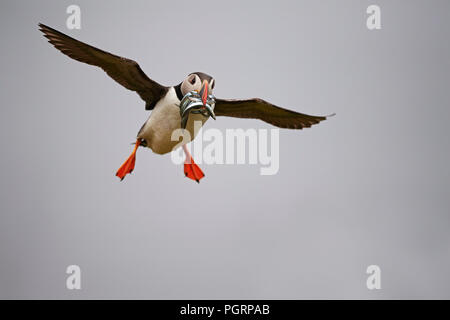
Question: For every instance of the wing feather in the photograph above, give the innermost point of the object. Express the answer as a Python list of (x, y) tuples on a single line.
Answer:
[(259, 109), (124, 71)]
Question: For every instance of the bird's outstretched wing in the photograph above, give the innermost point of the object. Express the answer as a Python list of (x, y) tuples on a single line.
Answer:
[(260, 109), (125, 71)]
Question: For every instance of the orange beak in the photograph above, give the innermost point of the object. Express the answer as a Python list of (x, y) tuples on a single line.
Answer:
[(204, 91)]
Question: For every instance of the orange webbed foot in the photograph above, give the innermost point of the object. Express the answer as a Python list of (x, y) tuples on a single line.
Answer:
[(193, 171), (128, 165)]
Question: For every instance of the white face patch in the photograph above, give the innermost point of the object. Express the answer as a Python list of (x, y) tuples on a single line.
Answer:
[(191, 83)]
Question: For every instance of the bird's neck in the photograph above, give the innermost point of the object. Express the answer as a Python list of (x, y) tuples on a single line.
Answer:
[(178, 92)]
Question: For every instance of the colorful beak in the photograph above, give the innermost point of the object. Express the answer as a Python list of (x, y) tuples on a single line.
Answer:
[(204, 92)]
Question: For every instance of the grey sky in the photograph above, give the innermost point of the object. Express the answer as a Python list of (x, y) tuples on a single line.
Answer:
[(369, 186)]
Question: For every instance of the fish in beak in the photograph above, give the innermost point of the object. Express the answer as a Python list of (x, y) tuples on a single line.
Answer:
[(210, 111), (199, 102)]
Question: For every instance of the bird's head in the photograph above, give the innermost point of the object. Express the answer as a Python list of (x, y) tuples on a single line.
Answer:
[(198, 98), (200, 82)]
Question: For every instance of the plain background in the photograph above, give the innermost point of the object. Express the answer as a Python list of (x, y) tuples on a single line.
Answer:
[(369, 186)]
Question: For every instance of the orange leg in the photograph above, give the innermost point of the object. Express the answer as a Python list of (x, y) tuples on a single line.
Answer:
[(128, 165), (191, 169)]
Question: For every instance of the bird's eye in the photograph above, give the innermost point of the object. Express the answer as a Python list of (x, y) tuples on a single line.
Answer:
[(193, 80)]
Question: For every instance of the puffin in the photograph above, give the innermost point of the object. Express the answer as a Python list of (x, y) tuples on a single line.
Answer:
[(166, 102)]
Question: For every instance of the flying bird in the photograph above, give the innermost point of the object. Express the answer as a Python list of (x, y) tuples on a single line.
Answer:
[(165, 102)]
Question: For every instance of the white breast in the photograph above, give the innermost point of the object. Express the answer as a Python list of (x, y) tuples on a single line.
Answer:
[(164, 119)]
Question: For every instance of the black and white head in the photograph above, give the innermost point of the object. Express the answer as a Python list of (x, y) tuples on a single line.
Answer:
[(200, 82)]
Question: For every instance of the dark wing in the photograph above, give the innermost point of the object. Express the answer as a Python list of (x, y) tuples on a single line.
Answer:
[(260, 109), (125, 71)]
